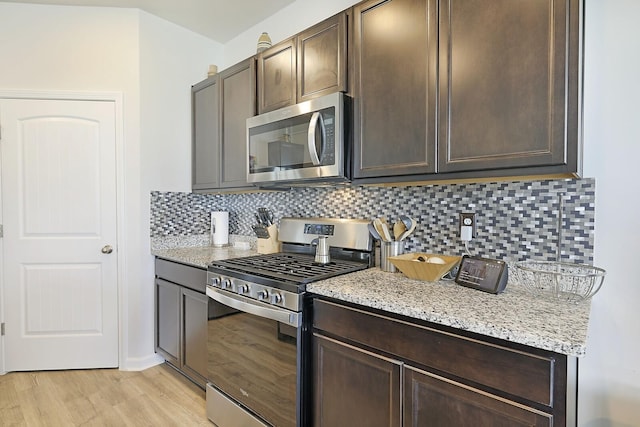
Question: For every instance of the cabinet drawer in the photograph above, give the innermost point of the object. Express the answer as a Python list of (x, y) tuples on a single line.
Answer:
[(191, 277), (527, 374)]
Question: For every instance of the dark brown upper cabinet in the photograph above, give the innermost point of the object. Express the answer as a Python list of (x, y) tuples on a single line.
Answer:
[(205, 149), (322, 54), (394, 89), (221, 105), (238, 98), (309, 65), (277, 76), (447, 89), (508, 85)]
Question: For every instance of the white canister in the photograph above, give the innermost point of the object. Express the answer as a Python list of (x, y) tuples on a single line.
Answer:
[(219, 228)]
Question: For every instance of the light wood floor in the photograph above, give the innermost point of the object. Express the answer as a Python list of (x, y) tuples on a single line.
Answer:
[(158, 396)]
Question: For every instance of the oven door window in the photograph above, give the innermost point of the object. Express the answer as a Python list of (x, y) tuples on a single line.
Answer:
[(304, 141), (253, 360)]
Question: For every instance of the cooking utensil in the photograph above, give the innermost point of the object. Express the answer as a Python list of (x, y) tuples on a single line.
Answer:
[(398, 229), (410, 224), (382, 229), (374, 232), (265, 217), (261, 231), (269, 216)]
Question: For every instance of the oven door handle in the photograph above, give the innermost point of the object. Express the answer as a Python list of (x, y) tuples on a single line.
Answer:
[(250, 306)]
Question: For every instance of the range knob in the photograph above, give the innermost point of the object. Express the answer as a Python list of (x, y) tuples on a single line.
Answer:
[(215, 281), (263, 295), (276, 298), (242, 288), (226, 284)]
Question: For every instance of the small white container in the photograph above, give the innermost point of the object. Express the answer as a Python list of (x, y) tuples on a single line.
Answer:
[(219, 228)]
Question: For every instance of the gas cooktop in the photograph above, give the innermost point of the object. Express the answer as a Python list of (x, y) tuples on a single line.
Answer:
[(288, 267), (351, 249)]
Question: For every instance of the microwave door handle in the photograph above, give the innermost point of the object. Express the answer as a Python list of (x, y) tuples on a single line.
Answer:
[(311, 137)]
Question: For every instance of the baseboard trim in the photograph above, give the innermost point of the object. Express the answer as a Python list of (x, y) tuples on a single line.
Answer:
[(141, 363)]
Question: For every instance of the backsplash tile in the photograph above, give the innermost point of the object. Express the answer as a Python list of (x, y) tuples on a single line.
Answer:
[(515, 220)]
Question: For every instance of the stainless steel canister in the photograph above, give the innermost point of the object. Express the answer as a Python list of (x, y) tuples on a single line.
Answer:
[(388, 249)]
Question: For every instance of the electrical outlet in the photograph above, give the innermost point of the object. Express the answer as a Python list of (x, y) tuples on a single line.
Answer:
[(467, 225)]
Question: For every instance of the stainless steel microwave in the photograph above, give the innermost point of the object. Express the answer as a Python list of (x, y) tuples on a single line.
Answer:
[(299, 144)]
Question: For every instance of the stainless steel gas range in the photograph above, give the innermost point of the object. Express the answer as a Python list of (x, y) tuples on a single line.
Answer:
[(256, 368)]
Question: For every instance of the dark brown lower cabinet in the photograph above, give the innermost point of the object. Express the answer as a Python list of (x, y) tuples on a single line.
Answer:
[(431, 400), (355, 387), (181, 313), (372, 368)]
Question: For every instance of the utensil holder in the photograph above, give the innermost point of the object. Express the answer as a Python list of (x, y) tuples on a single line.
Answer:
[(270, 245), (388, 249)]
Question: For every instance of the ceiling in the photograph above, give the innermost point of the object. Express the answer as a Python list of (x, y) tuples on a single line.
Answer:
[(219, 20)]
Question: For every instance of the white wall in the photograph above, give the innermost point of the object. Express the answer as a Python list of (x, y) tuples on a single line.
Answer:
[(171, 60), (609, 381), (153, 64)]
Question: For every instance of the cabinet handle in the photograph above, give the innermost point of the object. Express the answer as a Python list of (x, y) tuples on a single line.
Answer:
[(107, 249)]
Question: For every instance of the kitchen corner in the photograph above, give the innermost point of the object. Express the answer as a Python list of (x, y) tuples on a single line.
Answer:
[(197, 251)]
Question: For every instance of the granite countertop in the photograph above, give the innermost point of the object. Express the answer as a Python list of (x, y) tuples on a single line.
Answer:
[(515, 315), (201, 256)]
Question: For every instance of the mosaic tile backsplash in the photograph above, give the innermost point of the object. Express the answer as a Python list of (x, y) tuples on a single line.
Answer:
[(515, 220)]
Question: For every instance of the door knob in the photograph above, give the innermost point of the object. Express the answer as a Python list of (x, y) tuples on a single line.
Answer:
[(107, 249)]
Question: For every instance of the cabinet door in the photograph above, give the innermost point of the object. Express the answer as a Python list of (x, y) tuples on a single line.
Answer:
[(277, 76), (508, 84), (194, 306), (205, 173), (394, 59), (322, 58), (431, 400), (353, 387), (238, 95), (168, 321)]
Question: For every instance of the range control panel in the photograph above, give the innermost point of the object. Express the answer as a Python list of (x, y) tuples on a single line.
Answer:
[(341, 233), (319, 229)]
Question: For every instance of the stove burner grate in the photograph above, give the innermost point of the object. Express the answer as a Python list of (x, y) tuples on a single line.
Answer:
[(288, 266)]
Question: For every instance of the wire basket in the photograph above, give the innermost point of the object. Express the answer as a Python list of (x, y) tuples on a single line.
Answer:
[(560, 281)]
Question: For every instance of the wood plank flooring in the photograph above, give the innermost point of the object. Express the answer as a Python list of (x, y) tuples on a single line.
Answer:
[(158, 396)]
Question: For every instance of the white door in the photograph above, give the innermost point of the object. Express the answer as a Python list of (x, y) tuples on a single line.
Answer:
[(59, 218)]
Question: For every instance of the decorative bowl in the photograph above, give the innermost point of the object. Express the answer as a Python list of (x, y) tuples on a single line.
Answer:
[(423, 266)]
